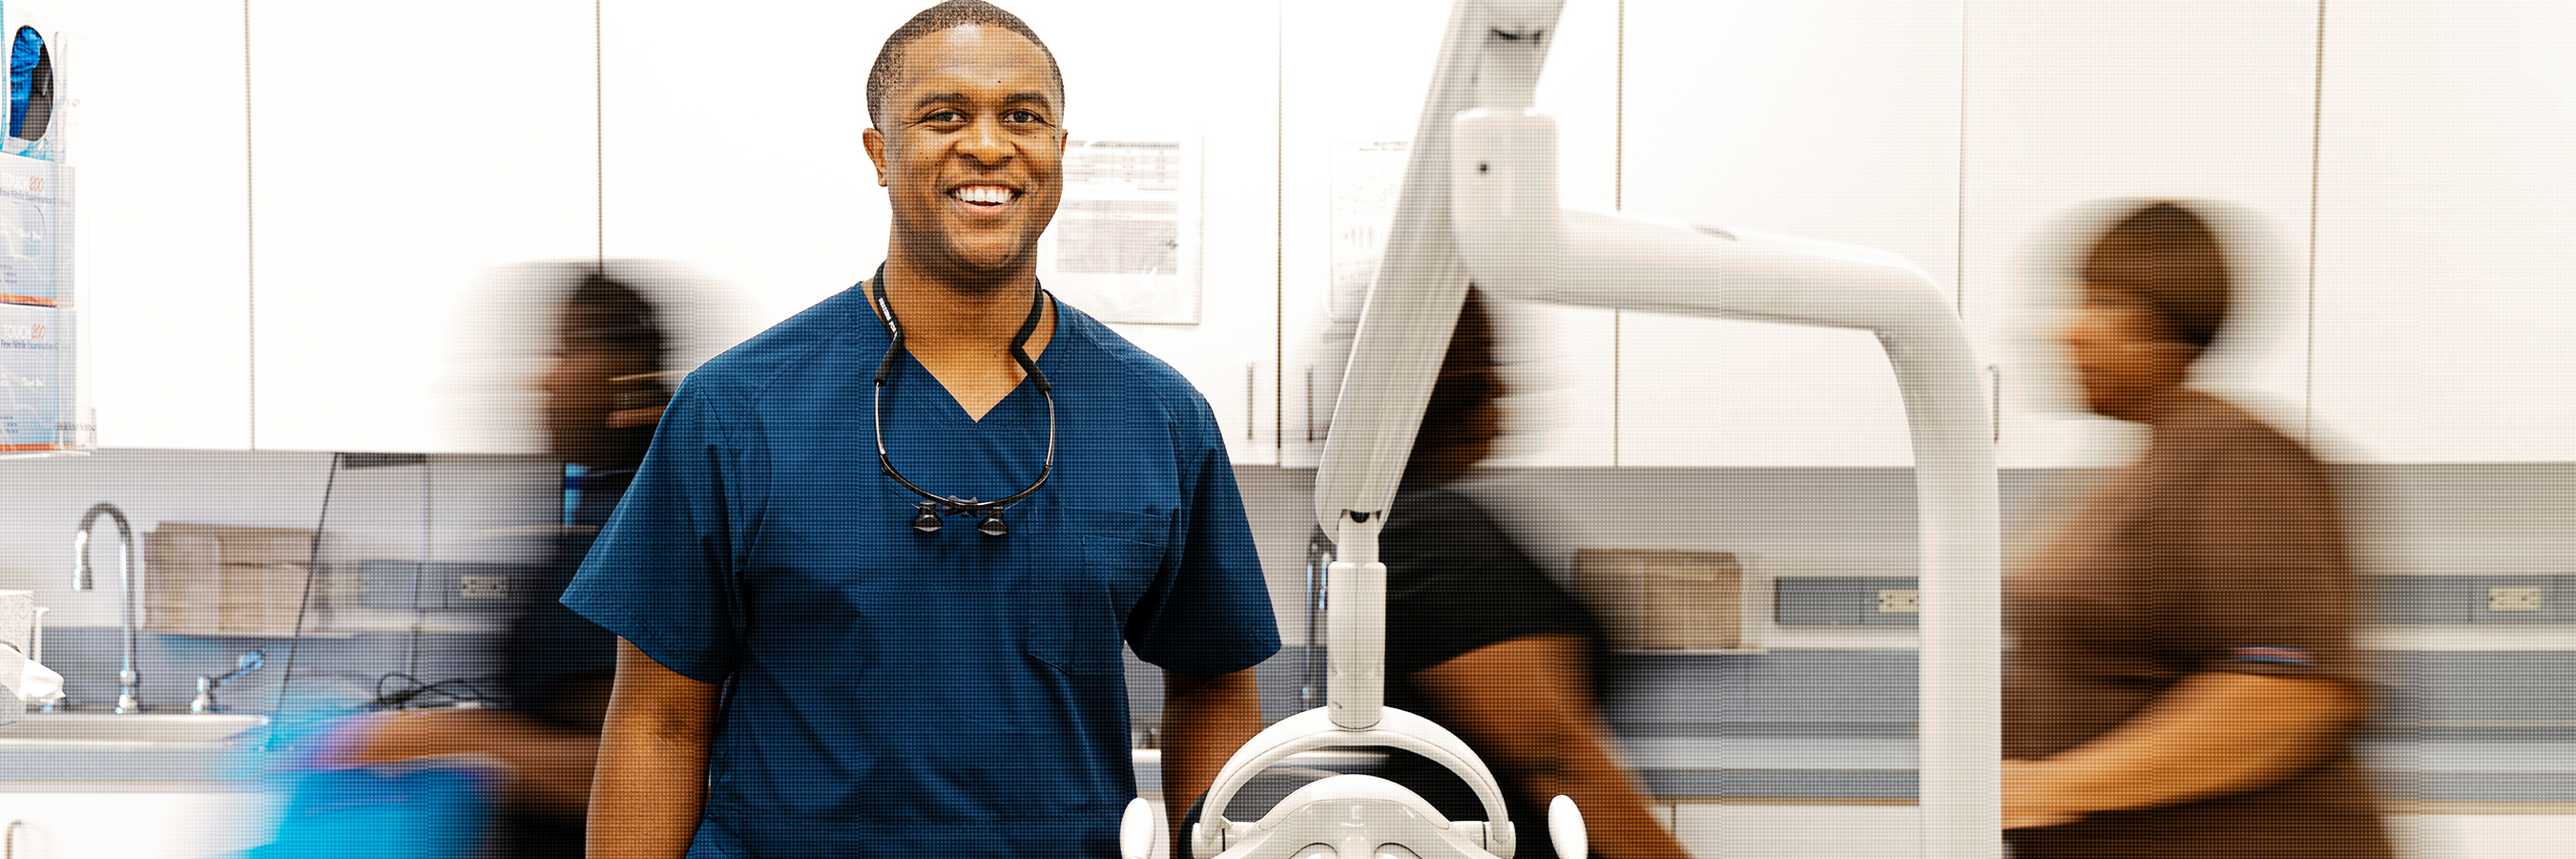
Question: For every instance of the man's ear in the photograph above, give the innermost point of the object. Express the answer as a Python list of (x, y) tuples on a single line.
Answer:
[(874, 141)]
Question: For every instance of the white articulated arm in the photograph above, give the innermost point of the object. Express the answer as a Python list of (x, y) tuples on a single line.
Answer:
[(1355, 630), (1519, 244), (1491, 51)]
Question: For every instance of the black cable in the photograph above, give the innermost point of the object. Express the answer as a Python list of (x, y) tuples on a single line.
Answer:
[(418, 690), (312, 567)]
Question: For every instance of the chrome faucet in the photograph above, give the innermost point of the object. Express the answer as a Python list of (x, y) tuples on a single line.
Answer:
[(127, 678)]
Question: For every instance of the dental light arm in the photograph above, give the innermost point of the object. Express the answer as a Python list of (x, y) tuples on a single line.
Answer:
[(1403, 333), (1516, 242), (1483, 205)]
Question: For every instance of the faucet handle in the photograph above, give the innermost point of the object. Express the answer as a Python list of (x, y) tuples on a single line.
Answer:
[(205, 700)]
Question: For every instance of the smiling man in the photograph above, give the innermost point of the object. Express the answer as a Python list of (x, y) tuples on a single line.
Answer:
[(873, 578)]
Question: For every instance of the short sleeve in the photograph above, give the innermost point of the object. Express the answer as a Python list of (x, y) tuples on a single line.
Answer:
[(660, 573), (1209, 610), (2269, 582), (1455, 583)]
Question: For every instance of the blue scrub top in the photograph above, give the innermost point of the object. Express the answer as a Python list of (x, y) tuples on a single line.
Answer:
[(901, 692)]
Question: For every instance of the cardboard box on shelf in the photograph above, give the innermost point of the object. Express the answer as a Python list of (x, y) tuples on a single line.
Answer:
[(225, 579), (1662, 599)]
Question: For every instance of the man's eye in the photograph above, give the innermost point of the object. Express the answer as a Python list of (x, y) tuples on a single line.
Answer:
[(1022, 116), (946, 116)]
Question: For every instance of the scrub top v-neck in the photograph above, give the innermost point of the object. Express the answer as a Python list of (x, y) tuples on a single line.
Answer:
[(904, 691)]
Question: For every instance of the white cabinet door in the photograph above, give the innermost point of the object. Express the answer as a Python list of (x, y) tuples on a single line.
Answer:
[(729, 144), (1835, 121), (2066, 104), (1343, 85), (1209, 71), (400, 155), (2442, 273), (1728, 829), (163, 185), (135, 824)]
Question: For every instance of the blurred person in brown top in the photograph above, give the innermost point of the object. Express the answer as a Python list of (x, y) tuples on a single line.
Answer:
[(2184, 680)]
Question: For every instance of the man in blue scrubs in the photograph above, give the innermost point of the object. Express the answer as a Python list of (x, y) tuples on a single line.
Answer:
[(902, 680)]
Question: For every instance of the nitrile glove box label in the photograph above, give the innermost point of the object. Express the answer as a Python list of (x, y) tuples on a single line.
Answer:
[(36, 377)]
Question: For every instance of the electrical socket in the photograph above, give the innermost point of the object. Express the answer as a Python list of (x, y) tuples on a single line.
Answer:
[(1900, 600), (2513, 598), (482, 587), (338, 585)]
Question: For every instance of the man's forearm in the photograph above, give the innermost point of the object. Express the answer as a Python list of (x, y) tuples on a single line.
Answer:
[(1205, 719)]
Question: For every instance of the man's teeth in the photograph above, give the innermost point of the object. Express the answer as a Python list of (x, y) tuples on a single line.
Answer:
[(982, 194)]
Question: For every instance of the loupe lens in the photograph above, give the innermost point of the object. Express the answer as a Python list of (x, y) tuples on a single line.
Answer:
[(992, 526), (925, 521)]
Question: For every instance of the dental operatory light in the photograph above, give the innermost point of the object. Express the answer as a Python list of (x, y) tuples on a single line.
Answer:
[(926, 513), (1479, 203)]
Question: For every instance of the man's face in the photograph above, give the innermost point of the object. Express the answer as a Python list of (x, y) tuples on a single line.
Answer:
[(972, 155)]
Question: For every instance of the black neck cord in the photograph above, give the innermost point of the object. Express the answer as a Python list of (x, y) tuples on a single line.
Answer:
[(926, 513)]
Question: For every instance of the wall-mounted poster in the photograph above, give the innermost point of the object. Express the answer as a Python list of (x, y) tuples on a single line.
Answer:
[(1124, 246), (1367, 178)]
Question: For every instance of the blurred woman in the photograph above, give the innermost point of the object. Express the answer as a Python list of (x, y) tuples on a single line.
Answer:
[(603, 395), (1479, 639), (2184, 680)]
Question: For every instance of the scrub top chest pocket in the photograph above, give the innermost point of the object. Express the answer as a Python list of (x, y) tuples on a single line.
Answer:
[(1077, 620)]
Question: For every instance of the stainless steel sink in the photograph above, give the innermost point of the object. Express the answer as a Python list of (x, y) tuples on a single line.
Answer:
[(133, 730)]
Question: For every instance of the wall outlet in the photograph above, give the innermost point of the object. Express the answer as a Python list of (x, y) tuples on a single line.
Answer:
[(483, 587), (339, 586), (1900, 600), (2513, 598)]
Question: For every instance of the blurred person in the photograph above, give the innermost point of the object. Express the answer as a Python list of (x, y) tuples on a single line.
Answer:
[(1479, 639), (813, 661), (602, 394), (2184, 680)]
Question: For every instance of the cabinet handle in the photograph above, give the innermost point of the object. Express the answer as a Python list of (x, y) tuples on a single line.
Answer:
[(1995, 402)]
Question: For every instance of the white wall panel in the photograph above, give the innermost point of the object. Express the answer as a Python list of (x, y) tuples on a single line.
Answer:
[(162, 188), (1834, 121), (2066, 104), (2443, 299), (398, 159)]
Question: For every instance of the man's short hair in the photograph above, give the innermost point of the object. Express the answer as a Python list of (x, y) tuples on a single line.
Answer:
[(884, 76)]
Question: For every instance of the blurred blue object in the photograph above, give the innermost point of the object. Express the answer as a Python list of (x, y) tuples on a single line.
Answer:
[(426, 809), (24, 51)]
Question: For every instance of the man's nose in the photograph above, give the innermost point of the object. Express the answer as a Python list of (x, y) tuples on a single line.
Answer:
[(986, 144)]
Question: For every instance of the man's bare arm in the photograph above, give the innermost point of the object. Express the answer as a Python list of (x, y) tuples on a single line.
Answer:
[(1205, 719), (652, 777)]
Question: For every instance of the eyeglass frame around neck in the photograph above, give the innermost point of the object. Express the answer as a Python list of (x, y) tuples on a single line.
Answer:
[(934, 505)]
